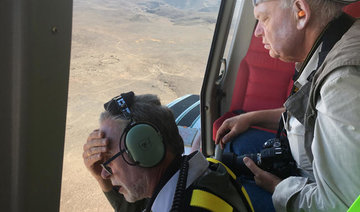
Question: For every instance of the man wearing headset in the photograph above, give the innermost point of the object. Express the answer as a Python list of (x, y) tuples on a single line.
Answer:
[(323, 113), (136, 157)]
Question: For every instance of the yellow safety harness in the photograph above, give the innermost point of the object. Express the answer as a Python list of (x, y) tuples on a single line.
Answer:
[(212, 202)]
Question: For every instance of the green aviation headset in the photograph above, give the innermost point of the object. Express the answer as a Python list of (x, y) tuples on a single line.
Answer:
[(144, 145)]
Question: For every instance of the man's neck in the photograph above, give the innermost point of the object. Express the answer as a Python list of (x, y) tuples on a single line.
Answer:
[(167, 167), (312, 33)]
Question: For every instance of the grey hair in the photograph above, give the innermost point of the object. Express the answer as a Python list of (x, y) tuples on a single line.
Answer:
[(327, 9), (148, 108)]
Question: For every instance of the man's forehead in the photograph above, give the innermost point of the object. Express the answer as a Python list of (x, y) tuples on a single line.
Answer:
[(112, 130), (264, 8)]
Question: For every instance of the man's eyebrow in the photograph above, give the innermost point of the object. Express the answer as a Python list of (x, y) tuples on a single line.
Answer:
[(256, 13)]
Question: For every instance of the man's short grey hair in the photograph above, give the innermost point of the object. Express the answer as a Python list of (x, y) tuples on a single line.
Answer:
[(148, 108), (326, 9)]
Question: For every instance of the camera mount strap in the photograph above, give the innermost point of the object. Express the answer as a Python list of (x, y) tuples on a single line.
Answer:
[(281, 129)]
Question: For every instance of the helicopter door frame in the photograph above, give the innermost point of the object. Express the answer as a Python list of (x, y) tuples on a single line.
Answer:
[(216, 93), (35, 44)]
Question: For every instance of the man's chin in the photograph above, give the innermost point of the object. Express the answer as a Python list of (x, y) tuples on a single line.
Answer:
[(273, 54), (129, 198), (123, 191), (281, 57)]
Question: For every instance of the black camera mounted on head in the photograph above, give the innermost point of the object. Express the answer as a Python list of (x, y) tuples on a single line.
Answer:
[(120, 105)]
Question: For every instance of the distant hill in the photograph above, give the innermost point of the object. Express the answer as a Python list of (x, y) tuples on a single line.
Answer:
[(193, 4), (182, 11)]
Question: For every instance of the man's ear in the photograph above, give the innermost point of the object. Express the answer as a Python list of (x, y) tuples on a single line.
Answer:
[(302, 13)]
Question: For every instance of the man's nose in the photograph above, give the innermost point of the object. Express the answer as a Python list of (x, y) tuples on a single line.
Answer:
[(259, 30), (104, 174)]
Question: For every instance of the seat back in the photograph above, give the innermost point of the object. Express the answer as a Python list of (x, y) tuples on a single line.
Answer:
[(262, 82), (353, 9)]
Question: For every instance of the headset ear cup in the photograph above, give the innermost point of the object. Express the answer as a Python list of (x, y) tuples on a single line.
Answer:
[(145, 144)]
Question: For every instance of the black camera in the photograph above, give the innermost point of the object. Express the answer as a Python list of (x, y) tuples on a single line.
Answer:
[(275, 157)]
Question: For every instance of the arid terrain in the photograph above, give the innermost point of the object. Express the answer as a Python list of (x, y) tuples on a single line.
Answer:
[(158, 47)]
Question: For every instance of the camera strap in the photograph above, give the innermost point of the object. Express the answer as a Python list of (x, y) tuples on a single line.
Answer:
[(281, 129)]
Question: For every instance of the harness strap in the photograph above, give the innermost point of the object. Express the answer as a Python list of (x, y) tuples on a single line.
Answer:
[(231, 173)]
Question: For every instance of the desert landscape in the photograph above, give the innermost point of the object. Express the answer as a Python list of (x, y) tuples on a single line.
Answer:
[(158, 47)]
